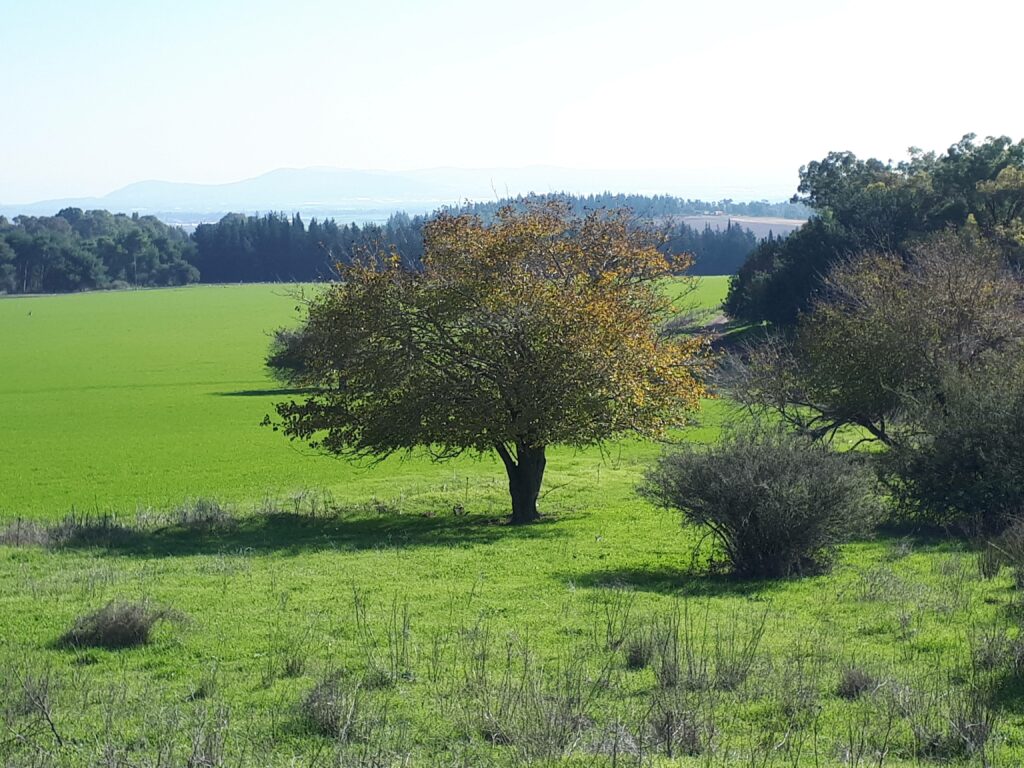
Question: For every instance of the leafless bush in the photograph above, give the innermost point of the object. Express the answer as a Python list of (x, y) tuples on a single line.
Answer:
[(973, 721), (676, 727), (617, 741), (28, 708), (900, 549), (679, 640), (947, 721), (954, 578), (665, 641), (1010, 545), (997, 649), (541, 711), (207, 687), (313, 502), (990, 561), (881, 583), (24, 533), (387, 655), (796, 687), (991, 648), (208, 737), (736, 649), (616, 618), (870, 732)]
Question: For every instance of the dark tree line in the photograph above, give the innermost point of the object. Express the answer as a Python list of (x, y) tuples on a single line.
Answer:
[(276, 247), (868, 205), (653, 206), (715, 251), (77, 250)]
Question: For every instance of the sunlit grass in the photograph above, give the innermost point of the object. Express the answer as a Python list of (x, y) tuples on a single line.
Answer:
[(312, 566), (117, 400)]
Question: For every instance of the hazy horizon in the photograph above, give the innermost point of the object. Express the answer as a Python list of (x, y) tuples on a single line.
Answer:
[(455, 184), (118, 93)]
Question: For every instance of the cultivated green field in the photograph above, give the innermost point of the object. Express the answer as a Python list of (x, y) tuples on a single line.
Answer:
[(453, 640)]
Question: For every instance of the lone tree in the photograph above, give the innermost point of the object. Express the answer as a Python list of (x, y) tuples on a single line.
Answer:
[(532, 330)]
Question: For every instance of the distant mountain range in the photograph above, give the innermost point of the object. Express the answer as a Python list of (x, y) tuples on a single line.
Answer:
[(362, 195)]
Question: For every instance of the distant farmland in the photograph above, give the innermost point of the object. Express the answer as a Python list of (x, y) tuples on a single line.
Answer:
[(759, 225)]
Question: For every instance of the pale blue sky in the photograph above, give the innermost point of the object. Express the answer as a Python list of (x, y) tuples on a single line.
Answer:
[(100, 94)]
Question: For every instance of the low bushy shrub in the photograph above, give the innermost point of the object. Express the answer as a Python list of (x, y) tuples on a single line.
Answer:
[(115, 625), (778, 504), (855, 682), (639, 651), (332, 708)]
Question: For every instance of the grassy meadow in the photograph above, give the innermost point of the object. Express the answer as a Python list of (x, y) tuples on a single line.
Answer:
[(122, 400), (317, 612)]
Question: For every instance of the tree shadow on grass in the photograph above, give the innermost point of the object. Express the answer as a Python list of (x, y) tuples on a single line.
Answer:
[(280, 392), (291, 533), (683, 582), (918, 535)]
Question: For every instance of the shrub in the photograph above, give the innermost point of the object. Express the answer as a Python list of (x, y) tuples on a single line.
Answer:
[(777, 503), (855, 682), (964, 468), (639, 651), (115, 625), (676, 729), (332, 708), (287, 357)]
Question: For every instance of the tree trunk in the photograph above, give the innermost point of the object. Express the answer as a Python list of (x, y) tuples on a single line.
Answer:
[(525, 474)]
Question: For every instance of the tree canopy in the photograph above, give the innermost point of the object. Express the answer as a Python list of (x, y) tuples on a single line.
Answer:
[(537, 328), (79, 250), (885, 334), (870, 205)]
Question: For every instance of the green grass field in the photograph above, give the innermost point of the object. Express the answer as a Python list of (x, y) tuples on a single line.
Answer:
[(453, 639), (115, 401)]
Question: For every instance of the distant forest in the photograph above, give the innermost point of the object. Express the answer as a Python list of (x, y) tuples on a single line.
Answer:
[(83, 250), (77, 251)]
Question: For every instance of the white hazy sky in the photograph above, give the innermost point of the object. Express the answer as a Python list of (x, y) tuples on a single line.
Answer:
[(99, 94)]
